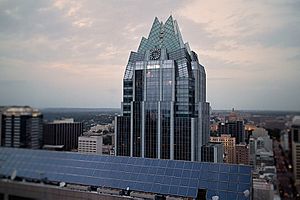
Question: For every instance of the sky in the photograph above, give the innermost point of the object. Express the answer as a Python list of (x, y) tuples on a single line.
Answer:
[(65, 53)]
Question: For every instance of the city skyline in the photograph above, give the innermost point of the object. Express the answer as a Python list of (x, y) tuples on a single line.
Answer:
[(73, 53)]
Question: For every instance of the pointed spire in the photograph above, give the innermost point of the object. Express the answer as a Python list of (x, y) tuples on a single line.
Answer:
[(154, 28), (163, 35), (142, 44), (170, 18)]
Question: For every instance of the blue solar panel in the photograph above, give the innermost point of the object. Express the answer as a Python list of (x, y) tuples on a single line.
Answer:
[(169, 177), (224, 168), (223, 186)]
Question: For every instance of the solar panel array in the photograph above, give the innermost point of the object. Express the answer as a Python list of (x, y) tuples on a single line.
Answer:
[(168, 177)]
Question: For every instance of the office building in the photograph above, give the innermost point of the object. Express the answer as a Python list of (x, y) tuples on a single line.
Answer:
[(295, 130), (262, 190), (212, 152), (234, 128), (164, 110), (63, 132), (263, 158), (261, 148), (41, 174), (263, 139), (229, 146), (21, 127), (90, 144), (252, 149), (284, 140), (1, 110), (242, 154)]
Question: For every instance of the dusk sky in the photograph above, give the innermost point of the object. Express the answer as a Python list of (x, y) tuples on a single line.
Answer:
[(73, 53)]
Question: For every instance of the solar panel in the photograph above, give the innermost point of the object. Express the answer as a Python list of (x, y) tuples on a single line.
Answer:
[(168, 177)]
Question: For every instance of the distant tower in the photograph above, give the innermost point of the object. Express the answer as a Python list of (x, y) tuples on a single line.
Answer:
[(164, 109), (295, 131), (63, 132), (22, 127), (234, 126)]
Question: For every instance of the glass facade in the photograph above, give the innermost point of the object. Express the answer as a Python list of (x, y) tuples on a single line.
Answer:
[(164, 99), (123, 140), (21, 127)]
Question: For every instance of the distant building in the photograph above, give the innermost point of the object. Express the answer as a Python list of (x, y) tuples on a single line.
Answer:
[(284, 140), (107, 137), (229, 146), (242, 154), (102, 129), (63, 132), (21, 127), (261, 148), (164, 110), (295, 130), (253, 149), (259, 132), (212, 152), (234, 128), (90, 144), (1, 110), (233, 116), (248, 131), (263, 158), (262, 190)]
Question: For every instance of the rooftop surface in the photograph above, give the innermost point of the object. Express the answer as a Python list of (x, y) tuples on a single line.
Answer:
[(167, 177)]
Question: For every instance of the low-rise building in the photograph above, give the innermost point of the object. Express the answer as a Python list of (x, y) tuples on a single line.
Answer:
[(90, 144)]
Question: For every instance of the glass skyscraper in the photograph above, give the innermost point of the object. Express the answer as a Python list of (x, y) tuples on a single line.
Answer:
[(164, 110), (22, 127)]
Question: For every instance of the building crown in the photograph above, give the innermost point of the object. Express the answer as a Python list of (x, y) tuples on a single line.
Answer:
[(162, 35)]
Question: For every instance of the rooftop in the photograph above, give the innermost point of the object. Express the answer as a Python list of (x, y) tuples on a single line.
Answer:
[(21, 110), (163, 35), (296, 121), (166, 177)]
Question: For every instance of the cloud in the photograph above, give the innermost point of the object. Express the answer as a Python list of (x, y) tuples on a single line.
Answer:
[(67, 49)]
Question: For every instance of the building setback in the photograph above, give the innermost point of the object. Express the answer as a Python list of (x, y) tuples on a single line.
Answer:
[(63, 132), (21, 127), (164, 110)]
